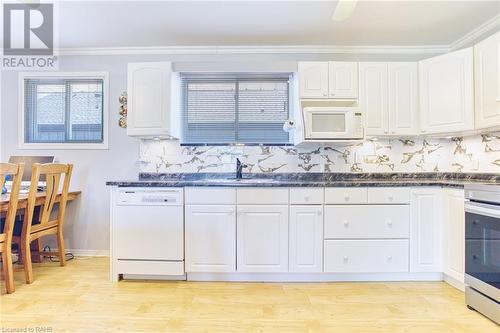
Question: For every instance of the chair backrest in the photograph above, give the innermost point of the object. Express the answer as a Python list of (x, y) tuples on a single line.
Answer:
[(16, 172), (53, 173)]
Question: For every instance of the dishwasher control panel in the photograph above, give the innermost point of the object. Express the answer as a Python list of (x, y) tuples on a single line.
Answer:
[(152, 197)]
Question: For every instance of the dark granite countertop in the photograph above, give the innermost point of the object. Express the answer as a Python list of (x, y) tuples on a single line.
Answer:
[(309, 180)]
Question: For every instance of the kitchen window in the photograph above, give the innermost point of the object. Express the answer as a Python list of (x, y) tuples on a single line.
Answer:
[(64, 110), (235, 109)]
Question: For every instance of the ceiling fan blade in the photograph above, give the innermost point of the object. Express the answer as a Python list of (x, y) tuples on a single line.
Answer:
[(344, 10)]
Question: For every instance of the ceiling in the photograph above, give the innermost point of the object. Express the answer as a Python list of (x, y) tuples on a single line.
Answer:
[(89, 24)]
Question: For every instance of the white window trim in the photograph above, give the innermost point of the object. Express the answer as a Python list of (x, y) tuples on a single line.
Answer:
[(66, 75)]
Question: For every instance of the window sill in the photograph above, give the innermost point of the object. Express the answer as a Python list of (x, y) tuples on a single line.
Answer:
[(64, 146)]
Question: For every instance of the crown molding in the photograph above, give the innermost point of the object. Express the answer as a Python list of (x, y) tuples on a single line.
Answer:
[(271, 49), (468, 39)]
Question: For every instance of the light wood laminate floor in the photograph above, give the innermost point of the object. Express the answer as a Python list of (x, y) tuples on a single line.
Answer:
[(80, 298)]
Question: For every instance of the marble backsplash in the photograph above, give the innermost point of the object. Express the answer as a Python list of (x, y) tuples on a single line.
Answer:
[(479, 153)]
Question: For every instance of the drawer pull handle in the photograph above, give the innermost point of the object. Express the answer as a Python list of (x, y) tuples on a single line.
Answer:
[(346, 259), (346, 224), (306, 198), (389, 258), (346, 197), (390, 198)]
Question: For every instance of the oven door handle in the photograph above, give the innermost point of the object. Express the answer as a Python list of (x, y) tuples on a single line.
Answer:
[(480, 209)]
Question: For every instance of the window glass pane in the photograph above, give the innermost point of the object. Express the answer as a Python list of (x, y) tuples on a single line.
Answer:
[(86, 112), (63, 110), (240, 110), (210, 116)]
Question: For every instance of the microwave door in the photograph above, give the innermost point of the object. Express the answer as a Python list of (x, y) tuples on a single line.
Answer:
[(325, 125)]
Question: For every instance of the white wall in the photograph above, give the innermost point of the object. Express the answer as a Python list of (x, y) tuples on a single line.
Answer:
[(87, 225)]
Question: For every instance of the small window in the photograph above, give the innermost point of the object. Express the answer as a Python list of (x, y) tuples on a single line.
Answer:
[(65, 111), (242, 109)]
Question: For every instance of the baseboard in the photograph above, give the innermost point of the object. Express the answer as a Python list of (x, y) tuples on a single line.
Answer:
[(87, 253), (314, 277), (460, 285)]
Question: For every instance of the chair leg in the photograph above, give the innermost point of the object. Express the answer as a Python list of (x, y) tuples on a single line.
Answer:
[(8, 270), (28, 267), (60, 246), (36, 246)]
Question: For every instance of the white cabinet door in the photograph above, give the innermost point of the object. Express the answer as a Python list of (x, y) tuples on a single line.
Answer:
[(425, 230), (210, 238), (454, 234), (447, 92), (262, 238), (343, 79), (313, 79), (306, 239), (373, 97), (403, 98), (149, 92), (486, 77)]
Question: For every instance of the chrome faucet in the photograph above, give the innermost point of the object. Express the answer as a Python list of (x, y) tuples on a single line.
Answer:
[(239, 169)]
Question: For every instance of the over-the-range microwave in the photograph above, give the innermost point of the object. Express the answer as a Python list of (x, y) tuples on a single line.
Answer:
[(333, 123)]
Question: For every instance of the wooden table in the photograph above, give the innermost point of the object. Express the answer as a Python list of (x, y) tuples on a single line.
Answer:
[(23, 200)]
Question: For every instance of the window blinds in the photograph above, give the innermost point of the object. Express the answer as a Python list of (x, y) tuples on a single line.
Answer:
[(241, 109), (63, 110)]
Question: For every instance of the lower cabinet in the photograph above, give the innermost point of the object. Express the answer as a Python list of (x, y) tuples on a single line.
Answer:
[(210, 238), (454, 234), (366, 256), (306, 239), (425, 230), (262, 238)]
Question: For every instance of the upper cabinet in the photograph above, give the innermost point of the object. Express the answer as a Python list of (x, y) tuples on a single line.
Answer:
[(389, 97), (323, 79), (373, 97), (447, 93), (150, 99), (486, 76)]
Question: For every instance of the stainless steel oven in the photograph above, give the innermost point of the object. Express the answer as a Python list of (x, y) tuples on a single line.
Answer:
[(482, 249)]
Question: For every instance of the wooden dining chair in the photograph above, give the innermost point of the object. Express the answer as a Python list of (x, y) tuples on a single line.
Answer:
[(35, 227), (16, 172)]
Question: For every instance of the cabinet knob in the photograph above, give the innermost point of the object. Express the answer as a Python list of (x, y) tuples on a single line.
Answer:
[(390, 197), (325, 95), (306, 198), (389, 223), (386, 132), (346, 224), (393, 132), (231, 211), (347, 198), (423, 131), (389, 258), (320, 213), (346, 259)]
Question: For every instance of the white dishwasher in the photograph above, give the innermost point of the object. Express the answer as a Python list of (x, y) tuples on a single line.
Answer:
[(148, 232)]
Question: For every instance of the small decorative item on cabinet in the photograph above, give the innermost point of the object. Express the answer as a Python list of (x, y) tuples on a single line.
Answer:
[(123, 110)]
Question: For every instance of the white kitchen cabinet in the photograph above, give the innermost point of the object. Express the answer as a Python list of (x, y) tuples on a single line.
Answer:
[(486, 80), (403, 98), (306, 238), (313, 79), (447, 93), (366, 256), (323, 79), (425, 230), (373, 82), (262, 238), (454, 234), (210, 238), (149, 89), (343, 79)]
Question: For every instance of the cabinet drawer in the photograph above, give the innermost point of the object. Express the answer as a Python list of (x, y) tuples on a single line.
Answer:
[(366, 256), (388, 195), (367, 221), (349, 195), (306, 196), (262, 196), (210, 196)]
